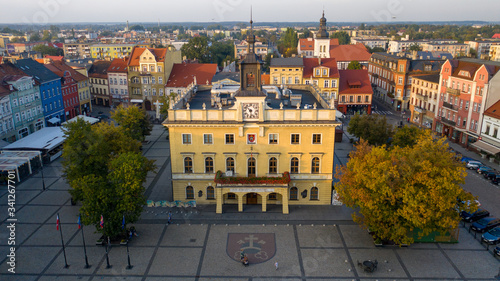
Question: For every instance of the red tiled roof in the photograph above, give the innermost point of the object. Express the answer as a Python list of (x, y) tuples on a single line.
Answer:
[(494, 110), (118, 65), (354, 77), (470, 67), (306, 44), (159, 54), (350, 52), (183, 74), (54, 58), (265, 79), (59, 67), (334, 42), (311, 63), (496, 36)]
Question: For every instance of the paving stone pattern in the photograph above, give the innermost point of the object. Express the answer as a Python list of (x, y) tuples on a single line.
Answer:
[(312, 243)]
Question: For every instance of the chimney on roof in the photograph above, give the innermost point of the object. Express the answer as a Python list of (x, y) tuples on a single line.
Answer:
[(319, 61), (414, 55)]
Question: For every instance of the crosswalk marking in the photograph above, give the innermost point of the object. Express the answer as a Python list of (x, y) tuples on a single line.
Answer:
[(382, 112)]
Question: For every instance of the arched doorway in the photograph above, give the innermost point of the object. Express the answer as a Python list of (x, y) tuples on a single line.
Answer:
[(147, 104), (252, 198)]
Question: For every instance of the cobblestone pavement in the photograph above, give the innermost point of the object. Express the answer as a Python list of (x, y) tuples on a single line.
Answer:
[(311, 243)]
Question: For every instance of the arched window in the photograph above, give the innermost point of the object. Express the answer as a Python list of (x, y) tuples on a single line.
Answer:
[(272, 196), (294, 193), (210, 193), (273, 165), (209, 165), (189, 192), (188, 165), (315, 165), (230, 164), (294, 165), (231, 196), (251, 167), (314, 193)]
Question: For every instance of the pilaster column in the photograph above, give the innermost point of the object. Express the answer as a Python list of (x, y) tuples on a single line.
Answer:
[(219, 198), (264, 203), (240, 202)]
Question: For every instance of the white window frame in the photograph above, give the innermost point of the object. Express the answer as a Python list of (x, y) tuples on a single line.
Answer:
[(189, 136), (225, 138), (277, 139), (320, 139), (300, 138), (210, 137)]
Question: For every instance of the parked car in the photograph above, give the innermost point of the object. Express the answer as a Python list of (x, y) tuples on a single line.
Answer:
[(466, 159), (484, 169), (477, 215), (490, 175), (491, 237), (497, 251), (496, 180), (473, 165), (485, 224)]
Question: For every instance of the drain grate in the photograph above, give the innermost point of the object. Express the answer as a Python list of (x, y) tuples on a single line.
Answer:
[(192, 240)]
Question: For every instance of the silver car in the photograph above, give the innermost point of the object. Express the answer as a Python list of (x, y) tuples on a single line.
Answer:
[(473, 165)]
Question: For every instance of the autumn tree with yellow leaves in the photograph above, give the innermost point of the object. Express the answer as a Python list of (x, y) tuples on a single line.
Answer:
[(405, 187)]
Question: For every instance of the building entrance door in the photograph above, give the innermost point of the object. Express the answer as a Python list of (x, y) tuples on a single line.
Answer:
[(251, 198)]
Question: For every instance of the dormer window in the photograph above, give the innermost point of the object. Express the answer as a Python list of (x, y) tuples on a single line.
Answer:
[(318, 72), (464, 73), (325, 72)]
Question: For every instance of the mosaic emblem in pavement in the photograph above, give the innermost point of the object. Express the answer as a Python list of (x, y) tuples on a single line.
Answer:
[(259, 247)]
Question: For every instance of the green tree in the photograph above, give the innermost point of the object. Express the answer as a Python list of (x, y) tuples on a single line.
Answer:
[(406, 188), (18, 40), (47, 36), (473, 53), (287, 45), (137, 27), (375, 50), (221, 51), (197, 48), (88, 148), (133, 121), (407, 136), (415, 47), (372, 128), (47, 50), (118, 194), (35, 37), (354, 65), (11, 31), (306, 33), (344, 38)]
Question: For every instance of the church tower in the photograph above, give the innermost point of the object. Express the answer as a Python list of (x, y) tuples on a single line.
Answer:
[(322, 40)]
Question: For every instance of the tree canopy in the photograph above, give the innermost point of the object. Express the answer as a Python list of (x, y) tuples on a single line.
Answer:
[(197, 48), (406, 136), (398, 190), (133, 121), (371, 127), (344, 38), (288, 43), (106, 171), (221, 51), (354, 65), (47, 50)]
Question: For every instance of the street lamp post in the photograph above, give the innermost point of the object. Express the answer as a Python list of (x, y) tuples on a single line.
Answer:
[(43, 179)]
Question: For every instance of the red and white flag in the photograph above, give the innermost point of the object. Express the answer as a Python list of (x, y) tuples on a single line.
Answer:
[(57, 222)]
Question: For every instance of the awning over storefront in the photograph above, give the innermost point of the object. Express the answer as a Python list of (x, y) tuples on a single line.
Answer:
[(486, 147), (54, 120), (136, 101)]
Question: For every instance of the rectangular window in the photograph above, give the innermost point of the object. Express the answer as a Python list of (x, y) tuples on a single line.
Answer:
[(334, 83), (186, 138), (325, 72), (466, 105), (295, 139), (327, 84), (273, 138), (316, 139), (160, 80), (207, 139), (229, 138)]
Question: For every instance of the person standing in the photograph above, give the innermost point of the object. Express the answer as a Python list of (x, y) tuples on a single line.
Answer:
[(276, 265), (169, 217)]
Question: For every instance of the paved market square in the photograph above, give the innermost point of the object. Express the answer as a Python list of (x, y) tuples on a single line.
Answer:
[(311, 243)]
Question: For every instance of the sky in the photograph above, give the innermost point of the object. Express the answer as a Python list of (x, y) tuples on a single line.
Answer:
[(57, 11)]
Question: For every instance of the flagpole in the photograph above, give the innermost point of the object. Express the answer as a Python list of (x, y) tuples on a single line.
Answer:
[(129, 266), (62, 242), (107, 257), (84, 246)]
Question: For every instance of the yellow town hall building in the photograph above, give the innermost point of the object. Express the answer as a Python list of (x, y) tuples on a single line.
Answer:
[(252, 146)]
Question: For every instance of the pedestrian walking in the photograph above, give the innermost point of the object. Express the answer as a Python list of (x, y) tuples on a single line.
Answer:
[(276, 265), (169, 217)]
